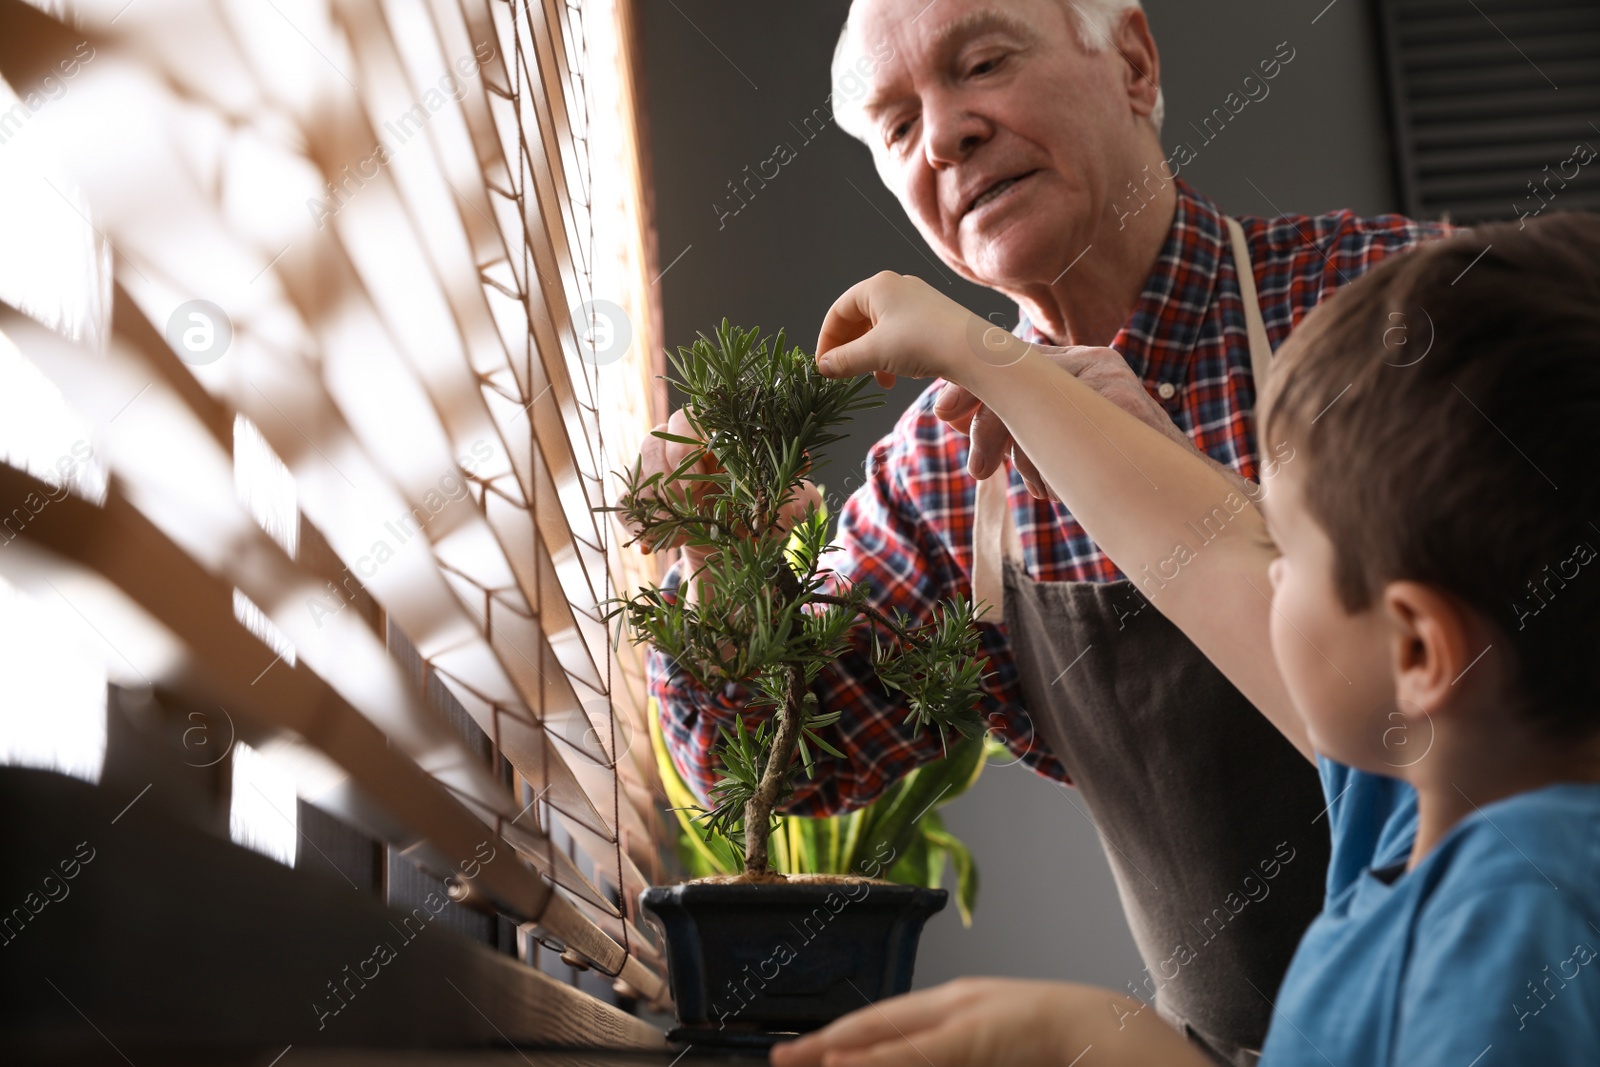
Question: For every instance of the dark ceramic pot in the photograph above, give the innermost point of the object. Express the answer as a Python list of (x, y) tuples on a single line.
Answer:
[(749, 964)]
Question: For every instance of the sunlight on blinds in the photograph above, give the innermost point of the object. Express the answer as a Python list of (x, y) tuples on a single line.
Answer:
[(266, 489), (53, 715), (262, 811), (54, 265), (378, 267)]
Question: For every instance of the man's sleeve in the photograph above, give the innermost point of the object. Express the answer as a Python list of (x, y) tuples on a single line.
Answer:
[(1304, 259), (894, 536), (1358, 245), (1509, 976)]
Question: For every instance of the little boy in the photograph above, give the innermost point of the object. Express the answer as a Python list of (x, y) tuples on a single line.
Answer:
[(1430, 593)]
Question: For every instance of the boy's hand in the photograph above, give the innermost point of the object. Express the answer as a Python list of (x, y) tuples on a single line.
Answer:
[(894, 324), (984, 1021)]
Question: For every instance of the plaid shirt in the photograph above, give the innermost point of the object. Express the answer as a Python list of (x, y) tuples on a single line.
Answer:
[(907, 533)]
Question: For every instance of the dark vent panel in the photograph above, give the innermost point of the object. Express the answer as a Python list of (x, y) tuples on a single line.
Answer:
[(1496, 105)]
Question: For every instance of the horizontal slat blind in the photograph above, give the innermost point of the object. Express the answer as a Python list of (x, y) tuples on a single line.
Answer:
[(405, 210)]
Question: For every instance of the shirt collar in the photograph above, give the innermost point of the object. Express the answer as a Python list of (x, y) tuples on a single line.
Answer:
[(1160, 334)]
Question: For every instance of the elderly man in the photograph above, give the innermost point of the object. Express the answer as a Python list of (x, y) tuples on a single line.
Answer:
[(1022, 138)]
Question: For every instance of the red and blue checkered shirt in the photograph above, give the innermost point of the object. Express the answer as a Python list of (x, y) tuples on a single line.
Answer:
[(907, 532)]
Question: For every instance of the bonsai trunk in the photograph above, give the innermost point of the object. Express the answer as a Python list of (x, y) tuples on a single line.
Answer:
[(758, 809)]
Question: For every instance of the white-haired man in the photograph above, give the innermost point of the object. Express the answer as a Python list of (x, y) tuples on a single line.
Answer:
[(1022, 138)]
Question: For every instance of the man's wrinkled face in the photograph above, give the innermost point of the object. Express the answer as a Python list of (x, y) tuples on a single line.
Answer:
[(1002, 136)]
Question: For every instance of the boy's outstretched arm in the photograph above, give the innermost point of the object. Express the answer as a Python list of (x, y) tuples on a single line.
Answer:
[(1140, 496)]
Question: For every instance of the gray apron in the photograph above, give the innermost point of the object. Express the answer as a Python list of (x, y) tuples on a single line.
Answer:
[(1207, 814)]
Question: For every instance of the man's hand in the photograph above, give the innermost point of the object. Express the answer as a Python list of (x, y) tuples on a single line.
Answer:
[(1102, 369), (984, 1021), (663, 457)]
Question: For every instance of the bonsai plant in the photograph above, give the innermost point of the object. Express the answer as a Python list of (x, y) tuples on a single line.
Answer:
[(768, 617), (903, 822)]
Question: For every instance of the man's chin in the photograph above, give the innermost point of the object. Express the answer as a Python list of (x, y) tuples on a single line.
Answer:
[(1027, 250), (1011, 265)]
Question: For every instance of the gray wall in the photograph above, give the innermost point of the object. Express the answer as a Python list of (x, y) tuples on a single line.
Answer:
[(726, 81)]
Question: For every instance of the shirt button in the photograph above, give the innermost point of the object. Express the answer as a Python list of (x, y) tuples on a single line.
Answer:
[(1166, 390)]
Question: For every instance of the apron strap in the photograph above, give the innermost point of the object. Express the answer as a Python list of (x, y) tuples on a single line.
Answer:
[(994, 528), (994, 538), (1255, 328)]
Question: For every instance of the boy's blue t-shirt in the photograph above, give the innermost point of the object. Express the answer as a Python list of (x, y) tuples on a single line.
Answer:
[(1487, 954)]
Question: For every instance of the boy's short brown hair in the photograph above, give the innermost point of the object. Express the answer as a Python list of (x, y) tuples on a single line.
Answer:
[(1448, 406)]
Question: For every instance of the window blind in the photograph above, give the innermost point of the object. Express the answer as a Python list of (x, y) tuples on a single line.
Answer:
[(394, 250)]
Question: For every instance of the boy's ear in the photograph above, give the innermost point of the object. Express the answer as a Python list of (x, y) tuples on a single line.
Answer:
[(1432, 643)]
